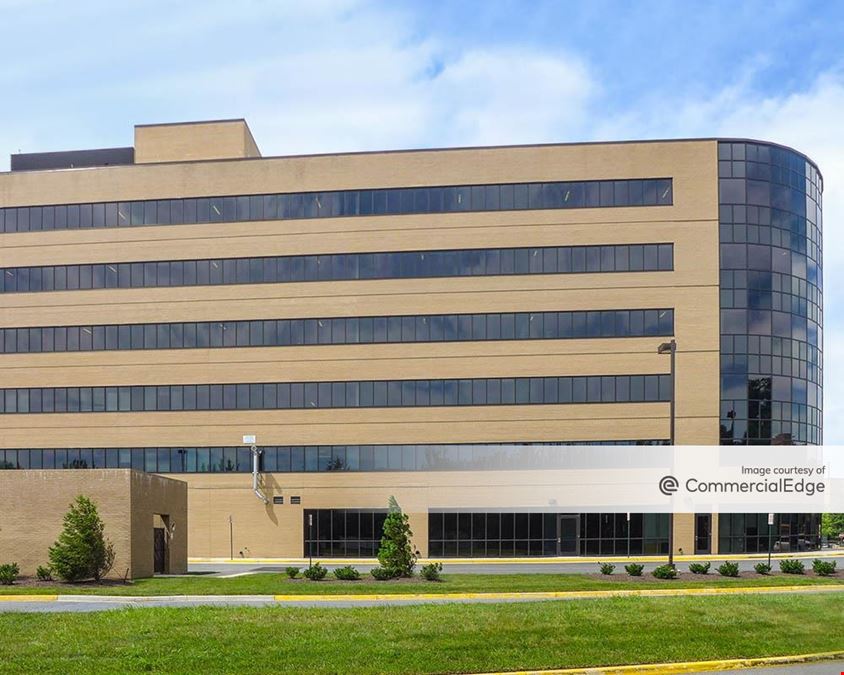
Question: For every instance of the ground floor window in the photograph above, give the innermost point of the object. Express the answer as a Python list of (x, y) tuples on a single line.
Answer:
[(514, 534), (339, 533), (482, 535), (749, 532), (612, 534)]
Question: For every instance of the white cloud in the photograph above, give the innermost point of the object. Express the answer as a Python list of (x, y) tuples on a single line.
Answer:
[(480, 97), (511, 96), (319, 79), (329, 75)]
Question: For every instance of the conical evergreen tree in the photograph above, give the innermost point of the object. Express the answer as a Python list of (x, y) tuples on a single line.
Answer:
[(82, 551), (396, 553)]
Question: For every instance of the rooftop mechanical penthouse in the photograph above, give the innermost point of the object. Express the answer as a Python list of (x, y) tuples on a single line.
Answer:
[(371, 316)]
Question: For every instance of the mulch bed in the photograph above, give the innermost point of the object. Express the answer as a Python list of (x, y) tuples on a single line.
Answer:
[(33, 582), (364, 578), (688, 576)]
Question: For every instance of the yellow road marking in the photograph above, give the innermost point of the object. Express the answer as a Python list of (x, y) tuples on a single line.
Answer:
[(684, 667), (28, 598), (562, 595)]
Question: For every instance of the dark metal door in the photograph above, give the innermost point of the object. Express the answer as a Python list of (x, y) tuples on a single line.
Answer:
[(703, 533), (159, 550), (568, 539)]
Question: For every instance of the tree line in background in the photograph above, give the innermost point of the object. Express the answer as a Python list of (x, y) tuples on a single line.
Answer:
[(832, 525)]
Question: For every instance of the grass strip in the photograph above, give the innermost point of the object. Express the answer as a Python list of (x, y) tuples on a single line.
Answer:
[(422, 639), (279, 584)]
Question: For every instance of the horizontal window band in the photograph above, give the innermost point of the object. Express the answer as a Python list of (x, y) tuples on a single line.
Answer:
[(276, 459), (333, 395), (653, 257), (341, 203), (421, 328), (505, 533)]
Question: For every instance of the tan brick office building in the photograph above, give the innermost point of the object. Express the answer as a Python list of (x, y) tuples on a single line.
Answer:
[(363, 313)]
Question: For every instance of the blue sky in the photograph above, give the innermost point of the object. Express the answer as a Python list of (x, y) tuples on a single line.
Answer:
[(334, 75)]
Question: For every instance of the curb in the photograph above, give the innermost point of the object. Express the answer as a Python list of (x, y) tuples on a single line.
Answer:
[(565, 595), (152, 599), (685, 666)]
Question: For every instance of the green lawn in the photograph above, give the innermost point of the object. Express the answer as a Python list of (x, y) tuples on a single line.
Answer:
[(421, 639), (279, 584)]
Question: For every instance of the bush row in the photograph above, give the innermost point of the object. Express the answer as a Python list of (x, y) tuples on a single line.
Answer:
[(317, 572), (820, 567)]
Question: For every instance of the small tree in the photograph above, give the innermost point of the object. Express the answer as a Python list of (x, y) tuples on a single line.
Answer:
[(396, 553), (832, 524), (82, 551)]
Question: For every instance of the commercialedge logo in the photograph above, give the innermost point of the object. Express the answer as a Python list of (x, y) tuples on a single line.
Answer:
[(668, 485)]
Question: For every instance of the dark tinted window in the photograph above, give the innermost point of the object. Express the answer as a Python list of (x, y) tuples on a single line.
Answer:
[(414, 264), (396, 201), (398, 393)]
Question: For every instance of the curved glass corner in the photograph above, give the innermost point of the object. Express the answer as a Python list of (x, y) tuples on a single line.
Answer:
[(771, 295)]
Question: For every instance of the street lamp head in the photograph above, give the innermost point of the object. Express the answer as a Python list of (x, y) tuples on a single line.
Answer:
[(667, 347)]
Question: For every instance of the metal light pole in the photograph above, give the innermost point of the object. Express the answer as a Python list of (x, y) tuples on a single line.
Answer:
[(770, 527), (231, 538), (310, 540), (671, 348)]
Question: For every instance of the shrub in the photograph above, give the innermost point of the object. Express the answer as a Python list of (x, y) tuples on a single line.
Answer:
[(382, 574), (699, 568), (823, 568), (607, 568), (762, 568), (315, 572), (634, 569), (82, 551), (347, 573), (791, 566), (44, 573), (9, 573), (728, 569), (665, 572), (431, 571), (396, 550), (292, 572)]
